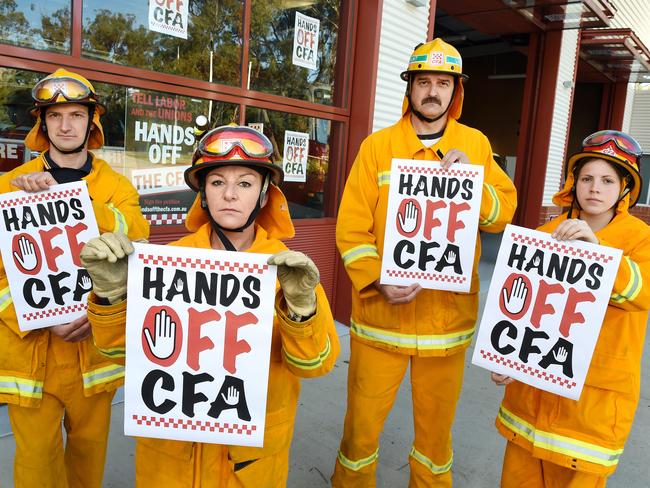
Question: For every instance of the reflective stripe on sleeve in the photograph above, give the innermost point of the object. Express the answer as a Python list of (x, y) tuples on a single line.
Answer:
[(383, 178), (5, 298), (634, 285), (309, 363), (103, 375), (358, 252), (359, 464), (573, 448), (430, 465), (496, 206), (120, 221), (412, 341), (21, 387)]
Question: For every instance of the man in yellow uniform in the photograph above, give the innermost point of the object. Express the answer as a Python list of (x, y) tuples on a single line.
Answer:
[(392, 326), (53, 374)]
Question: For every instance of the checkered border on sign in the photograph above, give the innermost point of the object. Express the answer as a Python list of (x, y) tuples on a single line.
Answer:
[(165, 219), (529, 370), (40, 197), (195, 263), (398, 273), (433, 170), (53, 312), (203, 426), (563, 248)]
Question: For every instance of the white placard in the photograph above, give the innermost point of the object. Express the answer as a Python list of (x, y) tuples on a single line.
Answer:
[(431, 224), (198, 341), (294, 158), (544, 309), (169, 17), (41, 239), (305, 41)]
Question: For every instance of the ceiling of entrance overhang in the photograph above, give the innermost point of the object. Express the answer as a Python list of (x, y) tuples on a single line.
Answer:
[(616, 54), (507, 17)]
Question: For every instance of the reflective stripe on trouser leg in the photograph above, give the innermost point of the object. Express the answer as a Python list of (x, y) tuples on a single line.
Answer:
[(374, 378), (436, 384)]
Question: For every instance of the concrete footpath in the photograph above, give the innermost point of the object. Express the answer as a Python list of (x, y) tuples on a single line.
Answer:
[(478, 449)]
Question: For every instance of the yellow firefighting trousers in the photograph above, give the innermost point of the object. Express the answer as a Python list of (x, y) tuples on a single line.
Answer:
[(41, 459), (374, 378), (522, 470)]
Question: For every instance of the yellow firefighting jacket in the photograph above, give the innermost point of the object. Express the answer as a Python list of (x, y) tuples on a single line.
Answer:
[(298, 350), (589, 434), (436, 323), (23, 355)]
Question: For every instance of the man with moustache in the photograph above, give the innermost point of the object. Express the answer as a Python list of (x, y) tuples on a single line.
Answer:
[(393, 327)]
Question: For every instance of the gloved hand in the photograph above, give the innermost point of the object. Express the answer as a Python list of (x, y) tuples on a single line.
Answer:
[(298, 276), (105, 259)]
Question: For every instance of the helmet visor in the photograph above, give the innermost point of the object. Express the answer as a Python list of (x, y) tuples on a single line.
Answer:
[(624, 142), (220, 142), (72, 90)]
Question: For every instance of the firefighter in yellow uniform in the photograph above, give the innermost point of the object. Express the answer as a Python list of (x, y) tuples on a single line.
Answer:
[(554, 441), (57, 373), (393, 326), (239, 208)]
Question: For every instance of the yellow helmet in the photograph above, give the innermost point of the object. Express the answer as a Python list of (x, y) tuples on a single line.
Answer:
[(437, 56), (62, 87)]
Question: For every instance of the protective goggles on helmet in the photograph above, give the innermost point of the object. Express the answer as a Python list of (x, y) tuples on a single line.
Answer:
[(48, 89), (221, 142), (624, 142)]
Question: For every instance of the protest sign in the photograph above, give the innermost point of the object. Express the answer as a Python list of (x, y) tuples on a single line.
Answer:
[(544, 309), (431, 224), (41, 239), (305, 41), (198, 341), (294, 158), (169, 17)]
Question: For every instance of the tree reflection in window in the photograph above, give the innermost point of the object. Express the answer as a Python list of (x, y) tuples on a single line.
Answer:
[(38, 25), (211, 52), (271, 47)]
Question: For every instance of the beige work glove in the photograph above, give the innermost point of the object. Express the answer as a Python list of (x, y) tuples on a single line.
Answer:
[(298, 276), (105, 258)]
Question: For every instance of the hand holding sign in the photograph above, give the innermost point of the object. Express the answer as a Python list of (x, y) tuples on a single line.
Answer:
[(408, 221), (105, 259), (26, 257), (514, 299), (164, 340), (298, 276)]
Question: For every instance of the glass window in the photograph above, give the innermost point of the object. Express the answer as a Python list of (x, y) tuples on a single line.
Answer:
[(35, 24), (149, 138), (15, 119), (120, 33), (308, 193), (282, 66)]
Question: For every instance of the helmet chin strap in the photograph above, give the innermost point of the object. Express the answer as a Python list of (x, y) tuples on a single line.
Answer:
[(91, 114), (219, 230)]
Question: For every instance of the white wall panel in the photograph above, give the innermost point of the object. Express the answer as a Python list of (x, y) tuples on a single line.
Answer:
[(561, 113), (403, 26)]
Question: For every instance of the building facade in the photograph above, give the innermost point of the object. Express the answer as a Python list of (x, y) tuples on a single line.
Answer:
[(317, 76)]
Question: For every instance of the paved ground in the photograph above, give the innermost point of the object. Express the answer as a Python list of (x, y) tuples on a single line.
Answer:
[(478, 448)]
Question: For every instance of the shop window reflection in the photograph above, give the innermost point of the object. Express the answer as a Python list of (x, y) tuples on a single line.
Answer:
[(35, 24), (272, 69), (306, 198), (211, 52)]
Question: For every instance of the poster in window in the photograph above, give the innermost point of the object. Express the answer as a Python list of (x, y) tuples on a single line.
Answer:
[(169, 17), (294, 159), (305, 41)]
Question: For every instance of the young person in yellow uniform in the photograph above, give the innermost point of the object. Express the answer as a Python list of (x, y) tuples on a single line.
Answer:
[(558, 442), (57, 373), (393, 327), (239, 207)]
